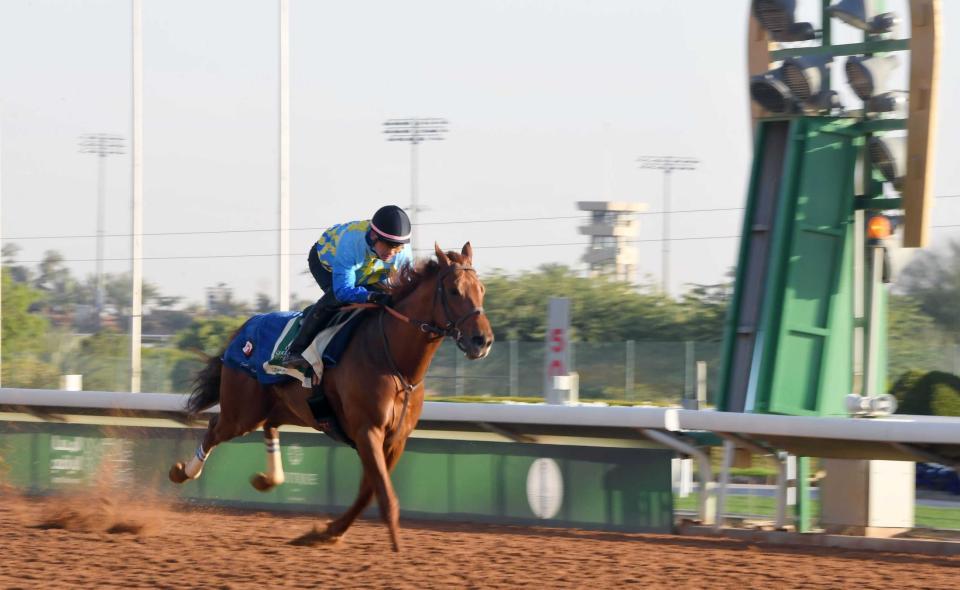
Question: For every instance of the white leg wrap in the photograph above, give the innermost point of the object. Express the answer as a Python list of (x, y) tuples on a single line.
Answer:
[(274, 463), (195, 464)]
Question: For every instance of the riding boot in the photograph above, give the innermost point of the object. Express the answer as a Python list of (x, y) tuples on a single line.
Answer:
[(310, 326)]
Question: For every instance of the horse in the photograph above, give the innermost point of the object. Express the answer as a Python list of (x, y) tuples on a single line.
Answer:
[(375, 391)]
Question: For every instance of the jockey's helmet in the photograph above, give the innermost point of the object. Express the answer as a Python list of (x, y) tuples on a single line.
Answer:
[(391, 224)]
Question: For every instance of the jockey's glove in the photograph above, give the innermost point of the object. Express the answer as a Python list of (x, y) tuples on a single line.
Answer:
[(379, 298)]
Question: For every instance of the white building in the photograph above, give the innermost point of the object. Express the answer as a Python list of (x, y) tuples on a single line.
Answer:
[(612, 227)]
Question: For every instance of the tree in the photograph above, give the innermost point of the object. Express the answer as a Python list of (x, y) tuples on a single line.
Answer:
[(913, 339), (19, 273), (23, 330), (24, 337), (104, 361), (208, 335), (602, 310), (220, 302), (117, 292), (933, 279), (263, 304), (932, 394)]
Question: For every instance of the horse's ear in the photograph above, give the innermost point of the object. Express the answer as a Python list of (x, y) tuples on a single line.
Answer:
[(441, 257), (467, 253)]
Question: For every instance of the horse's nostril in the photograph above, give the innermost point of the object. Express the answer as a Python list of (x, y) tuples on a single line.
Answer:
[(479, 341)]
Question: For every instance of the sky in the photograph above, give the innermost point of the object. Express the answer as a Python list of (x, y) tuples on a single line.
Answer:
[(548, 103)]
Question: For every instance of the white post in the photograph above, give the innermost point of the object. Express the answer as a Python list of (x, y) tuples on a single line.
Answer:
[(728, 450), (786, 486), (629, 370), (683, 477), (283, 265), (459, 374), (665, 247), (71, 382), (1, 232), (872, 364), (414, 193), (136, 153), (707, 505), (859, 302), (558, 356), (514, 369), (101, 212)]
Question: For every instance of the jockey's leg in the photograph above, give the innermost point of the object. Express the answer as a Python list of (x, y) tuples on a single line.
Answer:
[(274, 473), (311, 324)]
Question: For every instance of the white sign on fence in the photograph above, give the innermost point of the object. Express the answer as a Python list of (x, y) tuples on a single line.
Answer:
[(557, 357)]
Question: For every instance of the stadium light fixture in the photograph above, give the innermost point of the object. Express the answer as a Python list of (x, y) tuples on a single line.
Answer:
[(864, 15), (778, 18), (889, 156), (800, 83), (868, 76)]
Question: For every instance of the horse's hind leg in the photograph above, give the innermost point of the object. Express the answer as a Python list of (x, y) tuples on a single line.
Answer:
[(180, 473), (274, 474), (244, 407)]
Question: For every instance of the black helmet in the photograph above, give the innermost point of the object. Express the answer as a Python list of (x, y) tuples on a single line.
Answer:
[(391, 224)]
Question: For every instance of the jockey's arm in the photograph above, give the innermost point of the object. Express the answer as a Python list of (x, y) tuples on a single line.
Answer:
[(346, 263), (345, 287)]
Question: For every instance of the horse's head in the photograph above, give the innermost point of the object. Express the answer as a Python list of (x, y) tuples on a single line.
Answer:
[(461, 302)]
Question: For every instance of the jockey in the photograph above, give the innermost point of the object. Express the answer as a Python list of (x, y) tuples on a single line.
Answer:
[(351, 262)]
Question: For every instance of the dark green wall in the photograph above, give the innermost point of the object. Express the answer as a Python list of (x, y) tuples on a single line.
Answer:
[(606, 488)]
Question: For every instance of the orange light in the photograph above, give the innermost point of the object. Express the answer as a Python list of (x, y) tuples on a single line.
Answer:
[(879, 227)]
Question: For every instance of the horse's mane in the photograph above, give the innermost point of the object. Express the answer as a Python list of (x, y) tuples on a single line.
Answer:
[(407, 278)]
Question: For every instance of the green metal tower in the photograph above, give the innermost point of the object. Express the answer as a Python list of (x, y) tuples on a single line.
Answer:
[(807, 324)]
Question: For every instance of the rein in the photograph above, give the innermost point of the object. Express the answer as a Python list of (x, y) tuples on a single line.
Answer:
[(450, 329)]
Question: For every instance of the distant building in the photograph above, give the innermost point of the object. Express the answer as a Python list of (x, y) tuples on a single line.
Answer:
[(611, 228)]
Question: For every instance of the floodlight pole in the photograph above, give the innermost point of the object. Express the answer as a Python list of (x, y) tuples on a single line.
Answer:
[(101, 145), (415, 130), (283, 268), (136, 152), (1, 226), (668, 164)]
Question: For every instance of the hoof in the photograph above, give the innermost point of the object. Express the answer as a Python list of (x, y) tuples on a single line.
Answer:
[(177, 474), (315, 537), (262, 483)]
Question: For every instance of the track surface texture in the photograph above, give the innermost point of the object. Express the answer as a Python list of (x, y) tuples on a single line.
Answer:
[(94, 541)]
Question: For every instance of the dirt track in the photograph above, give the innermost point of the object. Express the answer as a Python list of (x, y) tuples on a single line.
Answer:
[(90, 542)]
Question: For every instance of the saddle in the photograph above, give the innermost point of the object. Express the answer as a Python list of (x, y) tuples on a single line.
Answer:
[(326, 350), (262, 341)]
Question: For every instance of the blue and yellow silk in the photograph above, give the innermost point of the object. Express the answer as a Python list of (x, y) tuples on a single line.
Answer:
[(347, 252)]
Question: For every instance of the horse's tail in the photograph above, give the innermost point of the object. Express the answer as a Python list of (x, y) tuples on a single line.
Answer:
[(206, 387)]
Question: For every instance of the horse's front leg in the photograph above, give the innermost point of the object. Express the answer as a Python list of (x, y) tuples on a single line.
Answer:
[(337, 528), (274, 474), (371, 451)]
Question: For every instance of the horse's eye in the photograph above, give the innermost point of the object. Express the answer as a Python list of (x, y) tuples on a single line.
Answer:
[(454, 292)]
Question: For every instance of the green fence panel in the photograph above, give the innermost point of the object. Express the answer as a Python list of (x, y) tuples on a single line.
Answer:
[(451, 479)]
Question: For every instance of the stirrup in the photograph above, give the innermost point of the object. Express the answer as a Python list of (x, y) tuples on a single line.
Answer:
[(293, 360)]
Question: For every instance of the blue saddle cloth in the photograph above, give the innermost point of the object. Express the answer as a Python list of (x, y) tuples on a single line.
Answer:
[(254, 344), (267, 335)]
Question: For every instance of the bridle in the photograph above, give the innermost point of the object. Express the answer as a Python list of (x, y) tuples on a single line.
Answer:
[(449, 329)]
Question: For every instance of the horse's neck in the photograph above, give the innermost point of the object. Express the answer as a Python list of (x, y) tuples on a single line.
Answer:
[(412, 349)]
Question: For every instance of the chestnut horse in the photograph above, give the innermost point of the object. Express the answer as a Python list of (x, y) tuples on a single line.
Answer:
[(376, 391)]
